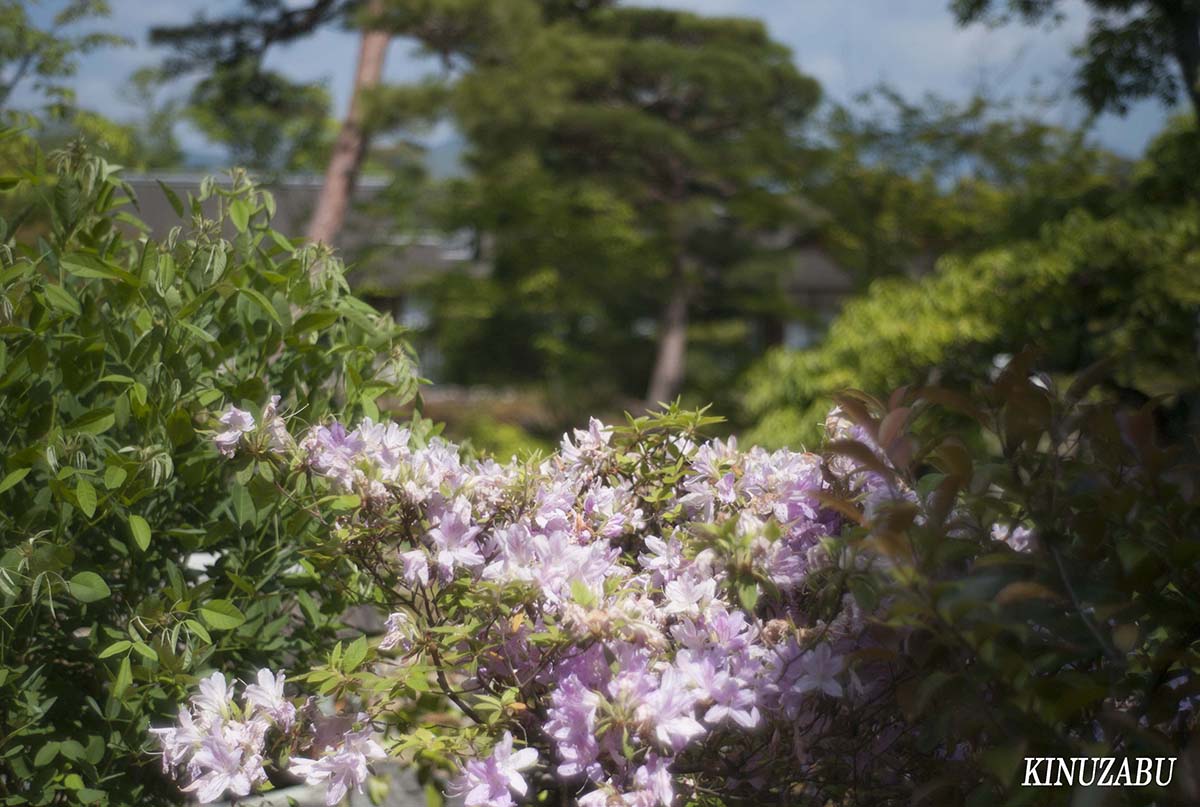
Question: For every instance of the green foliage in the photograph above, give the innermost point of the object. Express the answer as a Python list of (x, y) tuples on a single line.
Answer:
[(1134, 49), (1122, 285), (129, 561), (903, 183), (622, 157), (45, 57), (266, 122), (619, 157), (1078, 638)]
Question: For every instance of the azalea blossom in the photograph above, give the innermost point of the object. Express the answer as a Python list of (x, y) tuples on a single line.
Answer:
[(236, 422), (491, 782), (343, 769), (267, 696), (608, 630)]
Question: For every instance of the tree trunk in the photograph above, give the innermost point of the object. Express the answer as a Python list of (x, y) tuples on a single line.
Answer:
[(1186, 26), (351, 144), (667, 376)]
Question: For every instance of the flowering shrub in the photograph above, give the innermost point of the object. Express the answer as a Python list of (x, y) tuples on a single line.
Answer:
[(638, 618), (646, 618)]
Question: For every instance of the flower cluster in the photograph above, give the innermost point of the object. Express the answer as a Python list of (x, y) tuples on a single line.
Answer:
[(660, 632), (219, 742)]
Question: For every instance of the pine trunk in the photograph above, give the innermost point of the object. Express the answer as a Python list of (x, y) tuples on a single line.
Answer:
[(351, 144), (669, 364)]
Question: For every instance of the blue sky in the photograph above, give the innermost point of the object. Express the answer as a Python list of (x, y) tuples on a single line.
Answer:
[(849, 45)]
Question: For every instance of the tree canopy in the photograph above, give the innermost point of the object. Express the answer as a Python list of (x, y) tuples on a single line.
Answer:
[(1134, 49)]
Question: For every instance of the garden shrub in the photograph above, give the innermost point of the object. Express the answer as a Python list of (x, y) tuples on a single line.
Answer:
[(1125, 287), (1045, 583), (130, 561), (649, 618)]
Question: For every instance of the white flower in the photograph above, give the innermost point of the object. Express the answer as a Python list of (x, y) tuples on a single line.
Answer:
[(1020, 539), (215, 700)]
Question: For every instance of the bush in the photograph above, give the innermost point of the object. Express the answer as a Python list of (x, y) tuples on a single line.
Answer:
[(635, 617), (129, 559), (1043, 588), (1126, 287), (645, 619)]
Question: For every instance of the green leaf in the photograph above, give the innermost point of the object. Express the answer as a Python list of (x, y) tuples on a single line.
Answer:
[(282, 241), (140, 531), (198, 332), (172, 197), (347, 501), (355, 653), (124, 678), (60, 298), (13, 478), (262, 302), (89, 266), (239, 214), (221, 615), (748, 594), (96, 421), (46, 754), (88, 795), (119, 646), (85, 495), (198, 629), (114, 477), (315, 321), (88, 587), (143, 650)]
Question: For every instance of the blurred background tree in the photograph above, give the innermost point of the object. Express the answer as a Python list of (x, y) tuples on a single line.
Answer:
[(636, 188), (1133, 49), (632, 171), (1112, 279), (47, 57)]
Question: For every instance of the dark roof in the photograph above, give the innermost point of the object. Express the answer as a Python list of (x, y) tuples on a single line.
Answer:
[(384, 260)]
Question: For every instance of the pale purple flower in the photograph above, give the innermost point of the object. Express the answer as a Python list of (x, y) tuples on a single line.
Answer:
[(492, 781), (415, 566), (215, 699), (398, 632), (572, 726), (1019, 538), (588, 446), (671, 709), (342, 769), (453, 538), (818, 670), (276, 428), (180, 741), (267, 696), (689, 596), (221, 768), (654, 784), (662, 558), (236, 422)]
